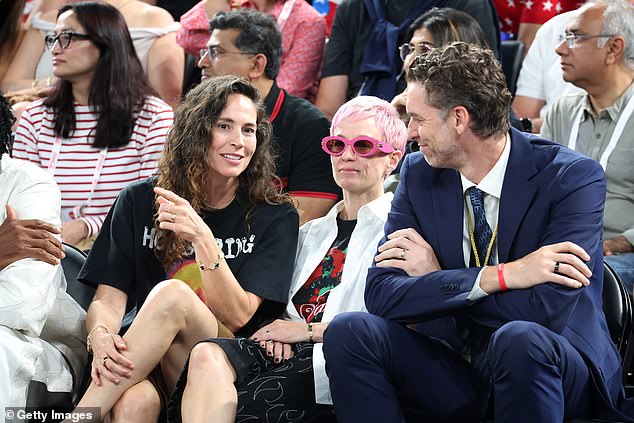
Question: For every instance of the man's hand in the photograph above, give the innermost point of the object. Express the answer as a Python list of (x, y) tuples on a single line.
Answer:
[(562, 263), (405, 249), (28, 238), (619, 244)]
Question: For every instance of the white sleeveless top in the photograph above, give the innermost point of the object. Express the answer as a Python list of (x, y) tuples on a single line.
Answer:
[(143, 39)]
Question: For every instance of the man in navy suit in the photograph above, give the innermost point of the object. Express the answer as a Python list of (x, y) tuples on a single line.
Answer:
[(486, 291)]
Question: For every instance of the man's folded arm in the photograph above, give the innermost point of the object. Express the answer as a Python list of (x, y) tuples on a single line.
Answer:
[(28, 287)]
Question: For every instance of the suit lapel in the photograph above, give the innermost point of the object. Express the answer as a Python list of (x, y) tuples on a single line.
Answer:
[(517, 192), (448, 215)]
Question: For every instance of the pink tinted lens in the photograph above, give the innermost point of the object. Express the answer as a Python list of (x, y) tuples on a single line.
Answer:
[(363, 146), (335, 146)]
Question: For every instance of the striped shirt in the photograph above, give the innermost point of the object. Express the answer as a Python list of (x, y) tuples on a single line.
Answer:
[(77, 159)]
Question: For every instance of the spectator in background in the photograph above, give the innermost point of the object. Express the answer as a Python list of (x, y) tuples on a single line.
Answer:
[(520, 19), (597, 55), (11, 32), (248, 43), (100, 128), (153, 35), (435, 28), (303, 38), (41, 326), (541, 80), (358, 52)]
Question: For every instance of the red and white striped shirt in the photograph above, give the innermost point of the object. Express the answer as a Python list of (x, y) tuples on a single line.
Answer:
[(77, 159)]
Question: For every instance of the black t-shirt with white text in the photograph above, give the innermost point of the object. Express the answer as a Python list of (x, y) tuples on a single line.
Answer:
[(257, 252)]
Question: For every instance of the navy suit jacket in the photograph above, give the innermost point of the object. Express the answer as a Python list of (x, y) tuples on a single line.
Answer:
[(550, 194)]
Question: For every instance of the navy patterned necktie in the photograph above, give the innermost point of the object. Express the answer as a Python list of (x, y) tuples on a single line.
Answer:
[(480, 335), (481, 229)]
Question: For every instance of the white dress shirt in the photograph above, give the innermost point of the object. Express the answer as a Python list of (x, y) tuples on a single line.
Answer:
[(315, 239), (491, 186)]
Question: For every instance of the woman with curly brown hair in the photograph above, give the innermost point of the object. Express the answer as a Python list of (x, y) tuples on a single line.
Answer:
[(212, 227)]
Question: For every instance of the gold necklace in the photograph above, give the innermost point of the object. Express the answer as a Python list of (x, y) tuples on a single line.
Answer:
[(472, 239)]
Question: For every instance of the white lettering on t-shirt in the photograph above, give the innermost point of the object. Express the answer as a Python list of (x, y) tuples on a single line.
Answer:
[(229, 242), (241, 246), (231, 247), (247, 247), (149, 237)]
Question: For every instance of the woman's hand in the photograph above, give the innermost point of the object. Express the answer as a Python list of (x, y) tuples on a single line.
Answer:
[(278, 337), (177, 215), (405, 249), (74, 231), (108, 361), (277, 350), (282, 331)]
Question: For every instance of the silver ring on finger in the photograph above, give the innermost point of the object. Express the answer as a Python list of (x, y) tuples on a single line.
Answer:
[(402, 255), (556, 270), (103, 361)]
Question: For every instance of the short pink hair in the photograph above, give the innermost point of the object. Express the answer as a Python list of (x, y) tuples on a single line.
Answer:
[(384, 114)]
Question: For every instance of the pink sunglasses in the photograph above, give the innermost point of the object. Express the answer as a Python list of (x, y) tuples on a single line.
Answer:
[(363, 146)]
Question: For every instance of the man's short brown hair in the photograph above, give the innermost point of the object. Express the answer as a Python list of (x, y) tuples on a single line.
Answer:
[(461, 74)]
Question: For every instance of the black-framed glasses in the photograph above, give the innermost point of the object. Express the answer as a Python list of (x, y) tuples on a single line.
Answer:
[(64, 39), (573, 39), (363, 146), (406, 49), (215, 52)]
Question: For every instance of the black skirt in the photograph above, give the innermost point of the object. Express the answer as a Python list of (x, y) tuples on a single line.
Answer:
[(267, 391)]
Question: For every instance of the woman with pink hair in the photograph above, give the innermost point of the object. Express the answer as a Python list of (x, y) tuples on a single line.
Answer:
[(278, 374)]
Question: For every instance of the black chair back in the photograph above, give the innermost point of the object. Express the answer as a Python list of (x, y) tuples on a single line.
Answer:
[(617, 307), (511, 56), (72, 264)]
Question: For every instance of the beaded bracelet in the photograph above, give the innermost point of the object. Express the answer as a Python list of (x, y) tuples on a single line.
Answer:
[(88, 344)]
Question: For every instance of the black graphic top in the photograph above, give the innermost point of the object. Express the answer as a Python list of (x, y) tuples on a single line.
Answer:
[(310, 299)]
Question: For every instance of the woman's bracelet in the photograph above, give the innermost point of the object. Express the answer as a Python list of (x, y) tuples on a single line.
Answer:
[(88, 344), (309, 328), (212, 266)]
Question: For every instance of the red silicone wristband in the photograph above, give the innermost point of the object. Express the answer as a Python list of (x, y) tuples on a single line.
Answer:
[(501, 277)]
